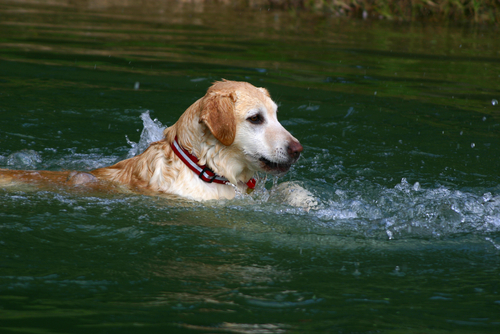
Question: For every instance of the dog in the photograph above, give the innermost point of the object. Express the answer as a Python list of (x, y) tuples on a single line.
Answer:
[(214, 150)]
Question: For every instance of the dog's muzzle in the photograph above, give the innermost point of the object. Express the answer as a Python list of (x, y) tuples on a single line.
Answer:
[(293, 150)]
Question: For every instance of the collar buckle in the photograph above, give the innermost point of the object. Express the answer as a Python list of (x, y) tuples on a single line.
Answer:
[(207, 171)]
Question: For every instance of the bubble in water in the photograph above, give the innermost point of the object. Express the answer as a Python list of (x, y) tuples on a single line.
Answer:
[(472, 145), (494, 102)]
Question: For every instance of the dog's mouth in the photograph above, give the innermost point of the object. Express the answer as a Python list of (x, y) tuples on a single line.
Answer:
[(274, 167)]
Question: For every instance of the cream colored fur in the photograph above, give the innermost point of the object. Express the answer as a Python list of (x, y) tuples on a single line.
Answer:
[(221, 130)]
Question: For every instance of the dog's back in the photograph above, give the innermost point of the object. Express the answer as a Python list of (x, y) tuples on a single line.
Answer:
[(8, 176), (44, 179)]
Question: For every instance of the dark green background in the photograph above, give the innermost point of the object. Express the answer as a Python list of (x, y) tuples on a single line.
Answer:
[(402, 152)]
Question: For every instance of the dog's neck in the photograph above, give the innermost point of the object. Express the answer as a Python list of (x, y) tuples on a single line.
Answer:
[(196, 138), (203, 171)]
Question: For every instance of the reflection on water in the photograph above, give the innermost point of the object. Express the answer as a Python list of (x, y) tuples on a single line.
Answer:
[(400, 131)]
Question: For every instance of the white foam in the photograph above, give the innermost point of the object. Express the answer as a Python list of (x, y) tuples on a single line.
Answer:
[(410, 211)]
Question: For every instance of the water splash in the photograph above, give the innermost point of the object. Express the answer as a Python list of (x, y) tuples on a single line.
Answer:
[(352, 206), (409, 211), (27, 159), (152, 131)]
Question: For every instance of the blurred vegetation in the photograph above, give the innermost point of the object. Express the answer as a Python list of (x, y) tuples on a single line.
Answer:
[(479, 11)]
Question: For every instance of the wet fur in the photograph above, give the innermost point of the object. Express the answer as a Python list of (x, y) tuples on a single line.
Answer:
[(214, 129)]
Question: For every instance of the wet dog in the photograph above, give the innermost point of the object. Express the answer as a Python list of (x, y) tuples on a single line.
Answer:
[(216, 147)]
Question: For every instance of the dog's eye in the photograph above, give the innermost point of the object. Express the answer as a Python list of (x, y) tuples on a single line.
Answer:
[(256, 119)]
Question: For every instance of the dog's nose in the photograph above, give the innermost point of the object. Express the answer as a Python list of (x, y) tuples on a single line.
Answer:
[(294, 149)]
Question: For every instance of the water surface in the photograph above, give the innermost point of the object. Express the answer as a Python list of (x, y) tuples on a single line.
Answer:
[(400, 125)]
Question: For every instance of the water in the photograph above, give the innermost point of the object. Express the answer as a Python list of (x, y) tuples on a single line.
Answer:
[(400, 133), (152, 131)]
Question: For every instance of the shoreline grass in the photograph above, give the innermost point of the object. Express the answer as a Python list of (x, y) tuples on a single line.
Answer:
[(459, 11)]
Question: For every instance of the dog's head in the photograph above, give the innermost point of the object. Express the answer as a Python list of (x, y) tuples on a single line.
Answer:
[(243, 118)]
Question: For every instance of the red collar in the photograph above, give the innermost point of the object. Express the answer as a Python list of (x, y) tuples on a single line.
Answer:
[(203, 172)]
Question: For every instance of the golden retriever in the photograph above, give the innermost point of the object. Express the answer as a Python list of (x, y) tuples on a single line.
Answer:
[(215, 147)]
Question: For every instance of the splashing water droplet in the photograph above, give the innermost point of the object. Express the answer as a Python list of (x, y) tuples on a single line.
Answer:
[(349, 112), (275, 181), (472, 145), (494, 102), (494, 244), (152, 131)]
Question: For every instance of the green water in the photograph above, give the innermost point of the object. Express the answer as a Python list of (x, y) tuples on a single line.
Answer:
[(401, 137)]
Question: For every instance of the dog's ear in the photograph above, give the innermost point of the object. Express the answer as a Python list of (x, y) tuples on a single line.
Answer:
[(218, 115)]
